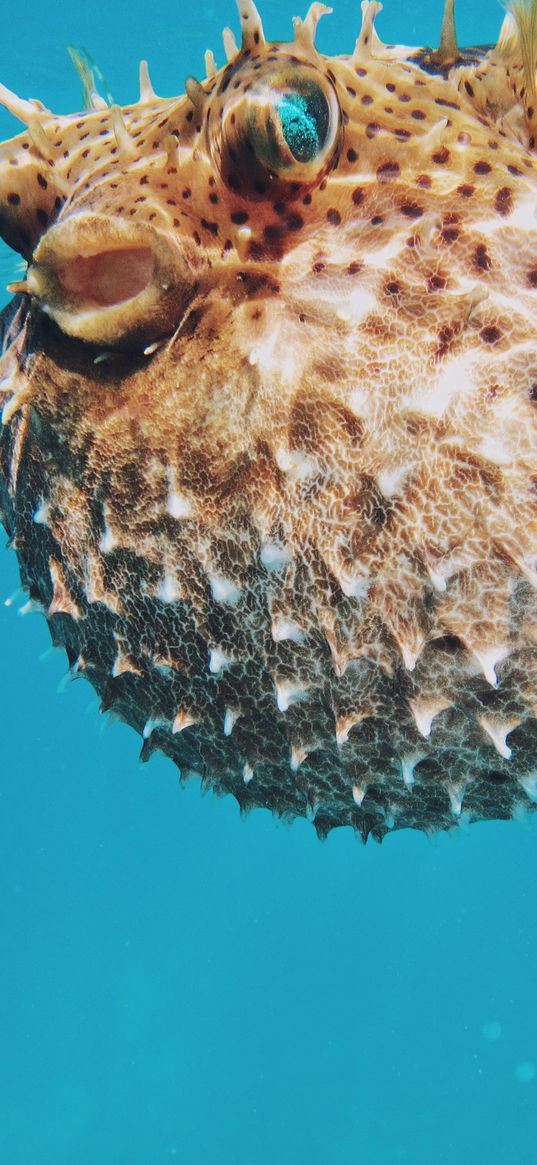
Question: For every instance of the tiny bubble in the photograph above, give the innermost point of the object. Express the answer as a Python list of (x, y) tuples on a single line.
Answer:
[(525, 1072), (491, 1030)]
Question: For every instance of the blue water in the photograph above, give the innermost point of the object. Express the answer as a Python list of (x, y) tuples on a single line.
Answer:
[(180, 985)]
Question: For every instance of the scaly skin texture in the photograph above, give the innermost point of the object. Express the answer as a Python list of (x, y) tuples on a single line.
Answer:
[(269, 448)]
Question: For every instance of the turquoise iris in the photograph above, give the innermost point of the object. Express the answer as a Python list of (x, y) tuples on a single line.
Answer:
[(304, 122)]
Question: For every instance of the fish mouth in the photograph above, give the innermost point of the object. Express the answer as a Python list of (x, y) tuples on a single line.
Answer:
[(108, 278), (108, 283)]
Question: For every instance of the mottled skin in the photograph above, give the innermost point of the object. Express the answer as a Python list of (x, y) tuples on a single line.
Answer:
[(269, 459)]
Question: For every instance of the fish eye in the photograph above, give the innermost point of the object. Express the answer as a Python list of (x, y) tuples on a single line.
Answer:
[(285, 126), (290, 126)]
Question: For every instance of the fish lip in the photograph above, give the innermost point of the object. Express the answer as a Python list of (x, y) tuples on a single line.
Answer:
[(160, 283)]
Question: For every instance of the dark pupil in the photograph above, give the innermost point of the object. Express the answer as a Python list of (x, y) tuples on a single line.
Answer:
[(304, 122)]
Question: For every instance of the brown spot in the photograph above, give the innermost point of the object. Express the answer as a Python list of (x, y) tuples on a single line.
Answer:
[(388, 172), (318, 267), (482, 258), (490, 334), (392, 288), (482, 168), (533, 394), (367, 99), (504, 200), (352, 156), (436, 283), (411, 210), (445, 337), (441, 157), (465, 190), (532, 278), (418, 114), (449, 234), (358, 195), (13, 198), (446, 104), (468, 88), (354, 267), (372, 129), (424, 181), (514, 170), (42, 181), (333, 217)]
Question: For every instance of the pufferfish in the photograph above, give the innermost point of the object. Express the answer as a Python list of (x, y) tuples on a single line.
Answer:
[(269, 444)]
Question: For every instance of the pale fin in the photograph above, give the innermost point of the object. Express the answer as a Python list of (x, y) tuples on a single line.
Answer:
[(252, 29), (88, 71), (524, 13)]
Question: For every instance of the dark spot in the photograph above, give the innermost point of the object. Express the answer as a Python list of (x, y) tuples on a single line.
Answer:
[(404, 97), (392, 288), (239, 217), (504, 200), (532, 278), (446, 104), (350, 91), (372, 129), (445, 337), (358, 195), (482, 168), (273, 232), (354, 267), (41, 216), (533, 394), (482, 258), (333, 217), (388, 171), (13, 199), (352, 156), (318, 267), (197, 239), (402, 135), (367, 99), (491, 334), (186, 192), (449, 234), (213, 198), (307, 199), (514, 170), (411, 210), (42, 181), (468, 88), (441, 157), (377, 220), (294, 222), (466, 190), (424, 180), (390, 87), (209, 226), (436, 283), (418, 114)]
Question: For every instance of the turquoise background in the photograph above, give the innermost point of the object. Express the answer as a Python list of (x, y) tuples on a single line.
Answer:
[(180, 985)]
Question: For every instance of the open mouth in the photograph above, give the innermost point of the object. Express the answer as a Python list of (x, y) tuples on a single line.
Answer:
[(108, 278)]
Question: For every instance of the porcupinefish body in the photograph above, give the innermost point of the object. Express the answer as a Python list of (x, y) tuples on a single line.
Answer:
[(269, 388)]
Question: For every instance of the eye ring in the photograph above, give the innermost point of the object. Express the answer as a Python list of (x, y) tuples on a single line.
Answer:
[(282, 126)]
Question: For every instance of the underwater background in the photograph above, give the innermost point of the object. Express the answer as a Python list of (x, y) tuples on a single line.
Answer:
[(180, 985)]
